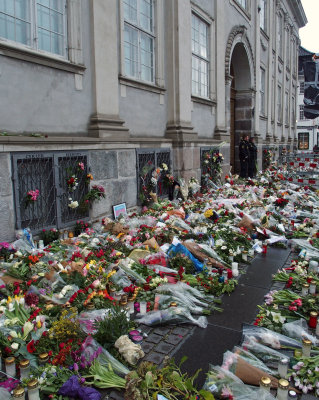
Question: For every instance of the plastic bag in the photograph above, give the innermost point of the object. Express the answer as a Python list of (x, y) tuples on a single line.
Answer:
[(120, 279), (218, 379), (127, 265), (173, 315), (159, 258), (91, 349), (4, 394), (251, 359), (299, 330), (270, 338), (264, 353), (88, 318), (179, 248)]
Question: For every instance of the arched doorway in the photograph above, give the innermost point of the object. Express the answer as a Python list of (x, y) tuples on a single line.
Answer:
[(239, 67)]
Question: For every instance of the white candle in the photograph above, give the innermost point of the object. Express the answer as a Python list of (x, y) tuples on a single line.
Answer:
[(143, 307)]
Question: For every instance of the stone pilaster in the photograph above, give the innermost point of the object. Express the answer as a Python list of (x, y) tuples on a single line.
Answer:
[(105, 121)]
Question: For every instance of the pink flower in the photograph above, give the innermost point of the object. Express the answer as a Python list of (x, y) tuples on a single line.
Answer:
[(81, 166), (96, 283), (292, 308)]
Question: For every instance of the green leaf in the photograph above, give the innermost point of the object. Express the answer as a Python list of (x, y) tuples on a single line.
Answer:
[(206, 395), (183, 360)]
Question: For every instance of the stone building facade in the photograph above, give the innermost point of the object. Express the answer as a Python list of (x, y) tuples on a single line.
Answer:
[(114, 81)]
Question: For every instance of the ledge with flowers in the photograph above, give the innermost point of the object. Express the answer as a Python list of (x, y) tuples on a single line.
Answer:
[(73, 307)]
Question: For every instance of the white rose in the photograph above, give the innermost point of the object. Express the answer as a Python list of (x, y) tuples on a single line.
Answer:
[(15, 346), (74, 204)]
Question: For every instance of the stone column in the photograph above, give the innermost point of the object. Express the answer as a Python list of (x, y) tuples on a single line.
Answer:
[(221, 132), (178, 61), (257, 73), (105, 121), (270, 89)]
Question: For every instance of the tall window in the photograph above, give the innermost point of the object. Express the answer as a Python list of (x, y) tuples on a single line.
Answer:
[(301, 113), (139, 39), (263, 15), (279, 104), (286, 108), (303, 140), (200, 57), (280, 35), (288, 48), (293, 112), (262, 91), (39, 24), (302, 87), (242, 3)]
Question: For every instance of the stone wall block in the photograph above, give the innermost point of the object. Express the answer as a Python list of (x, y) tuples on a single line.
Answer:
[(127, 163), (196, 157), (7, 231), (5, 175), (104, 165)]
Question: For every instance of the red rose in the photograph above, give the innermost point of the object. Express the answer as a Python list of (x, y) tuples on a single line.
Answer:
[(31, 347)]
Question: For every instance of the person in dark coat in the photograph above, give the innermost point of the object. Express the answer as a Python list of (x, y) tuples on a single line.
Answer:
[(244, 156), (252, 157)]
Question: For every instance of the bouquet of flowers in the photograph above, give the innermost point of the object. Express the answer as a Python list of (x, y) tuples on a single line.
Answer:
[(31, 197)]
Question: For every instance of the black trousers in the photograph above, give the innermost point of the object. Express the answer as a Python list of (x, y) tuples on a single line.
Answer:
[(244, 168), (251, 168)]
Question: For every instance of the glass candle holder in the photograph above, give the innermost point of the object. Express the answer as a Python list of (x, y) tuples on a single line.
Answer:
[(292, 394), (313, 319), (312, 287), (131, 307), (265, 383), (43, 358), (305, 289), (313, 266), (225, 275), (264, 249), (244, 255), (10, 366), (33, 390), (282, 391), (306, 347), (24, 369), (234, 267), (143, 306), (283, 368), (18, 393)]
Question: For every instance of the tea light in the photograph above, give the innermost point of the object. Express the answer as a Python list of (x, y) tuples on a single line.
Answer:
[(282, 391), (265, 383), (313, 319), (10, 366), (24, 369), (283, 367), (305, 289), (312, 287), (306, 347), (137, 339), (33, 390)]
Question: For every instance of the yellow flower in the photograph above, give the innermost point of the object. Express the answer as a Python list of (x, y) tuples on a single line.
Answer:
[(110, 274), (208, 213), (118, 253), (39, 324)]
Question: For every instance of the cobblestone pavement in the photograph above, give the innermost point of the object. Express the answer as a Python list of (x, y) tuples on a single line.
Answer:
[(204, 346)]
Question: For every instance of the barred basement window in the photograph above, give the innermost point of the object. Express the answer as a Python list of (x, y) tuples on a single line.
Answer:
[(49, 173), (148, 160)]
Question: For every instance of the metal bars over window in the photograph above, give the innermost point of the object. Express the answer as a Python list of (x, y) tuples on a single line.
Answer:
[(60, 179), (146, 162)]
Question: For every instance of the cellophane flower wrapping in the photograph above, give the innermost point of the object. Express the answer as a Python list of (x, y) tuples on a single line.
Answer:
[(299, 330), (73, 388)]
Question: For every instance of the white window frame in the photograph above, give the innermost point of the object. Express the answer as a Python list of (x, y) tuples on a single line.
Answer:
[(34, 37), (201, 58), (263, 20), (301, 139), (262, 91), (140, 31)]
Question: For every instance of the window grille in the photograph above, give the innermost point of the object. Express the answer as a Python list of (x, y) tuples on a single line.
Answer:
[(154, 158), (48, 172)]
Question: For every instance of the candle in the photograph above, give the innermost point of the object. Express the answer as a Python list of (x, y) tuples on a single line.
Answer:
[(306, 347), (251, 253), (143, 307), (137, 339), (225, 275), (283, 367), (18, 393), (312, 287), (229, 274), (131, 307), (33, 390), (292, 394), (234, 267), (313, 266), (10, 366), (305, 289), (282, 391), (244, 255), (313, 319), (264, 248), (44, 357), (24, 369), (265, 383)]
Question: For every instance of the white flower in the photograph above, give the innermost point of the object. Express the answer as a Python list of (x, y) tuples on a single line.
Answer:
[(15, 346), (2, 309), (73, 204), (27, 328), (13, 334)]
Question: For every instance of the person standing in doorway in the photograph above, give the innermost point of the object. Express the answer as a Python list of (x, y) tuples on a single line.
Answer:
[(244, 156), (252, 157)]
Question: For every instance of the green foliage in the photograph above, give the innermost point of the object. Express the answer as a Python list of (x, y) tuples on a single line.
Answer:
[(49, 236), (112, 327), (180, 260)]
